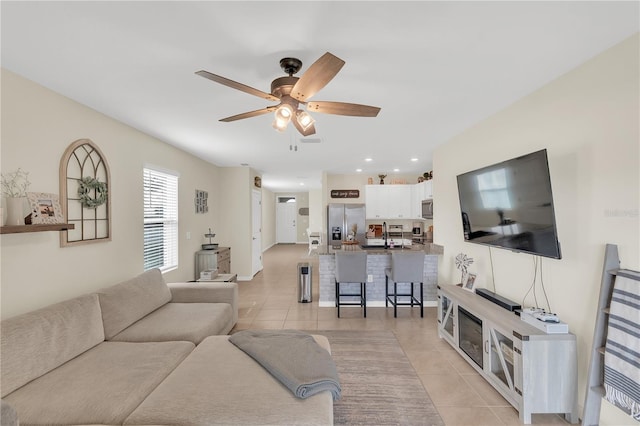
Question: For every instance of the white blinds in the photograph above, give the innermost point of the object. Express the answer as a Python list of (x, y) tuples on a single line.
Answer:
[(160, 220)]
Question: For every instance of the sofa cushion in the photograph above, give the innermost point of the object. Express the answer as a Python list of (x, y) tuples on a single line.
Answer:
[(220, 384), (127, 302), (206, 292), (101, 386), (34, 343), (180, 321)]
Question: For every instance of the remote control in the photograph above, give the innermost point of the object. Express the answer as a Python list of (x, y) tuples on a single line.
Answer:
[(532, 311), (546, 317)]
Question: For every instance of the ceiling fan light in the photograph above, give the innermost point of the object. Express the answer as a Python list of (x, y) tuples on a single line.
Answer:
[(284, 112), (280, 125), (304, 119)]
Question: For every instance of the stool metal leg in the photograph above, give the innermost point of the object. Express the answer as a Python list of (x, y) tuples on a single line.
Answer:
[(363, 292), (338, 297), (421, 300), (386, 291), (395, 299)]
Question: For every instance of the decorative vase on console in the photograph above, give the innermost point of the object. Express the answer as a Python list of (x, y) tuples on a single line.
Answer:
[(382, 178), (14, 189)]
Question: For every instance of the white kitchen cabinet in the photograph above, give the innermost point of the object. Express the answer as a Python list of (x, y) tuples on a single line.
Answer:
[(388, 201), (534, 371), (420, 191), (400, 202), (375, 201), (427, 189), (424, 190)]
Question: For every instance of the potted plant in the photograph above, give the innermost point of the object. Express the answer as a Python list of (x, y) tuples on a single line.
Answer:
[(14, 188)]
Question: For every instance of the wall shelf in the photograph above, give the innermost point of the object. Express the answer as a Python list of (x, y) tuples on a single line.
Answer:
[(18, 229)]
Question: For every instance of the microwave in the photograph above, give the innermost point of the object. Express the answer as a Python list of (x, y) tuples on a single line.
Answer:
[(427, 209)]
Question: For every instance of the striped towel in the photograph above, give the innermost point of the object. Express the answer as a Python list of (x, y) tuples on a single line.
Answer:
[(622, 349)]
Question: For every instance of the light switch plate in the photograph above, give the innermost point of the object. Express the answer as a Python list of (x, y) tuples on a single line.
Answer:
[(370, 278)]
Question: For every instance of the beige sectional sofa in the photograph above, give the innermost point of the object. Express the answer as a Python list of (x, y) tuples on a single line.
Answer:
[(143, 353)]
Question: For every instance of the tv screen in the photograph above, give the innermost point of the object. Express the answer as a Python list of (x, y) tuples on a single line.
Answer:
[(510, 205)]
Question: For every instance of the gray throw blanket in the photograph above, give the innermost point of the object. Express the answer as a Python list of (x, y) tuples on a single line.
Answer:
[(294, 358)]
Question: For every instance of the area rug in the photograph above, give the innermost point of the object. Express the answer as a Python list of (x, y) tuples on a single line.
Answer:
[(379, 385)]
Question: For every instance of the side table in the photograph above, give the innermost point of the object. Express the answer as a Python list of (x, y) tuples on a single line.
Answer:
[(226, 278)]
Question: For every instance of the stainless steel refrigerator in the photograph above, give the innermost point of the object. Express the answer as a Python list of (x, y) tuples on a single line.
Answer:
[(345, 222)]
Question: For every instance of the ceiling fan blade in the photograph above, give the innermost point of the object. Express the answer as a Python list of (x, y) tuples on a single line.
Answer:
[(239, 86), (309, 130), (343, 108), (249, 114), (316, 77)]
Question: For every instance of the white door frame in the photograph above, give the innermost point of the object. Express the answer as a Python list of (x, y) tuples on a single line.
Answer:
[(256, 232)]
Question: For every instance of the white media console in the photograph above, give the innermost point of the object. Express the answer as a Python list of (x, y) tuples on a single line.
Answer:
[(534, 371)]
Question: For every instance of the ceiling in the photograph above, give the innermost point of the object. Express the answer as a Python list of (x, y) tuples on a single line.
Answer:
[(435, 69)]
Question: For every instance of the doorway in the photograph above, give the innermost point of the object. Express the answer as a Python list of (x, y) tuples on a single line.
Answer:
[(256, 232), (286, 215)]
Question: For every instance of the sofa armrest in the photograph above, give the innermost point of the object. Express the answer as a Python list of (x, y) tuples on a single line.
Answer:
[(206, 292)]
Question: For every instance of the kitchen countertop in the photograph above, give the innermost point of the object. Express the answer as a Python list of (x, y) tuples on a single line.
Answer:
[(428, 248)]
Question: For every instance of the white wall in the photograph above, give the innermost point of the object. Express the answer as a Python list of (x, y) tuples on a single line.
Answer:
[(315, 210), (235, 217), (588, 121), (268, 219), (37, 127)]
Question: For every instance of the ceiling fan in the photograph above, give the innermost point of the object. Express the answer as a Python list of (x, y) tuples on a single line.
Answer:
[(293, 92)]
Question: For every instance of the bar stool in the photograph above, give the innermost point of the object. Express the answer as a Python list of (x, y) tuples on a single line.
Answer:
[(351, 267), (406, 267)]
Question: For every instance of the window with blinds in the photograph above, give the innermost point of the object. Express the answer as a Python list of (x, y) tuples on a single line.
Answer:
[(160, 220)]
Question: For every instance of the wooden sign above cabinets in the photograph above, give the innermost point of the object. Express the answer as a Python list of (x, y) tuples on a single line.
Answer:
[(345, 193)]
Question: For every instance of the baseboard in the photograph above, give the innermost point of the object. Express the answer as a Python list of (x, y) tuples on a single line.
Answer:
[(376, 304)]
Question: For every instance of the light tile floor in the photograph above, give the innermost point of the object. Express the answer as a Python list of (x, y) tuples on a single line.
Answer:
[(269, 301)]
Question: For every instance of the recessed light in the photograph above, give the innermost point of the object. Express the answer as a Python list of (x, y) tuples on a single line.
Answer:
[(358, 170), (368, 159), (396, 170), (301, 183), (414, 159)]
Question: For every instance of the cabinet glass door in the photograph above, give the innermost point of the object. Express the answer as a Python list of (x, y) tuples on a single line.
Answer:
[(446, 315), (501, 357)]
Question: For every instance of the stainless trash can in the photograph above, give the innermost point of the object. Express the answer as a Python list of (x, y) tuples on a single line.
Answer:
[(304, 282)]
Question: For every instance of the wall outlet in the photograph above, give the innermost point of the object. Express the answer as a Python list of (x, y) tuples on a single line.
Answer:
[(369, 278)]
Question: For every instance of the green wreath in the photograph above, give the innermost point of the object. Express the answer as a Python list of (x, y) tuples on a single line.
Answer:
[(88, 184)]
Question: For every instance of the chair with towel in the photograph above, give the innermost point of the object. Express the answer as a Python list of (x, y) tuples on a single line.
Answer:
[(315, 239), (407, 268), (351, 268)]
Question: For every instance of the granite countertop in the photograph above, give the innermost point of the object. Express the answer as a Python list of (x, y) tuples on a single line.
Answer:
[(428, 248)]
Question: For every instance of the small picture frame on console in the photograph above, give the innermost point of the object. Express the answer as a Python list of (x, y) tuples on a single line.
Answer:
[(469, 282)]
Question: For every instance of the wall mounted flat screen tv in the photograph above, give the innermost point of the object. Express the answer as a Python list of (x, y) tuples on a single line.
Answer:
[(510, 205)]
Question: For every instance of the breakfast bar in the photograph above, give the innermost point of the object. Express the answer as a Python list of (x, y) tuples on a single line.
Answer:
[(379, 259)]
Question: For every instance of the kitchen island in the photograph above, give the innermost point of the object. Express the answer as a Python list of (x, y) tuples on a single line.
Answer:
[(379, 259)]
